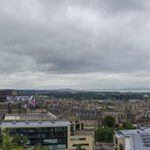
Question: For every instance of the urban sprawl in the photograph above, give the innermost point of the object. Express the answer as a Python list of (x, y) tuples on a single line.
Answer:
[(74, 120)]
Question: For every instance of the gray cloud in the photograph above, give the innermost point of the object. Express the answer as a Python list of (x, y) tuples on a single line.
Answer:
[(71, 37)]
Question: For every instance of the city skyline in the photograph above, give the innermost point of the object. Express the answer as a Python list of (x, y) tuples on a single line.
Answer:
[(88, 44)]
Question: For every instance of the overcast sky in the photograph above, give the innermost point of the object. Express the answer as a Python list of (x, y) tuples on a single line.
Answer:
[(80, 44)]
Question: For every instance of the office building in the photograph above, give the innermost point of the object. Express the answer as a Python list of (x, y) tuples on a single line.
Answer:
[(53, 134), (136, 139), (7, 92)]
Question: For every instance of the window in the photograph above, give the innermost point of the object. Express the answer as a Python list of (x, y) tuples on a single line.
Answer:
[(121, 147)]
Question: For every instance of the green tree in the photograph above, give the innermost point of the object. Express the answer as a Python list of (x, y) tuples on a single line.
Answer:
[(127, 125), (104, 135), (16, 139), (45, 148), (37, 147), (109, 121), (24, 140), (7, 142)]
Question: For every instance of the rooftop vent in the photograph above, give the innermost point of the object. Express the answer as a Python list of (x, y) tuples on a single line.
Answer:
[(40, 122), (14, 122), (138, 132), (52, 121), (142, 129), (27, 122)]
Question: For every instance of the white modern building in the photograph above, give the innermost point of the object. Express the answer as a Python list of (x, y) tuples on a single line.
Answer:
[(135, 139)]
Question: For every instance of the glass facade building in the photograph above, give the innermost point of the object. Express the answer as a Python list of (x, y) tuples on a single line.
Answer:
[(53, 135)]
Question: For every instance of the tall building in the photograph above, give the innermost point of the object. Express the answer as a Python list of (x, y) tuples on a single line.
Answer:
[(7, 92)]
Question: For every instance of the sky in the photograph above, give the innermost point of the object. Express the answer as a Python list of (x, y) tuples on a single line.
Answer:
[(77, 44)]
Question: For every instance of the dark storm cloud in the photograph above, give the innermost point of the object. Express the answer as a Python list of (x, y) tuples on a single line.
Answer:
[(74, 36)]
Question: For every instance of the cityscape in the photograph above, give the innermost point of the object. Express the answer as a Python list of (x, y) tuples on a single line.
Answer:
[(74, 75), (75, 120)]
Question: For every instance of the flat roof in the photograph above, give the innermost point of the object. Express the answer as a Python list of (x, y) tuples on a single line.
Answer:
[(34, 124), (21, 117), (139, 139)]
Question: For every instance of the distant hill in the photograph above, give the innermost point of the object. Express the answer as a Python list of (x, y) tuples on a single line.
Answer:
[(89, 95)]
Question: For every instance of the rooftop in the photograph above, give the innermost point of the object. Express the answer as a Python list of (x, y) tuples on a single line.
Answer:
[(138, 139), (26, 124), (37, 116)]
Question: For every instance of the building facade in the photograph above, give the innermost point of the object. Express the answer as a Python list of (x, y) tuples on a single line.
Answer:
[(52, 134), (136, 139), (82, 139)]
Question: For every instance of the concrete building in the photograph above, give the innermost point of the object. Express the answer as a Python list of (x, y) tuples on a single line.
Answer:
[(137, 139), (7, 92), (120, 117), (12, 108), (84, 139), (145, 120), (80, 137)]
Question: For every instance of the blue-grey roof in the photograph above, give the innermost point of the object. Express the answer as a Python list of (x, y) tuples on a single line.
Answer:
[(26, 124), (139, 138)]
